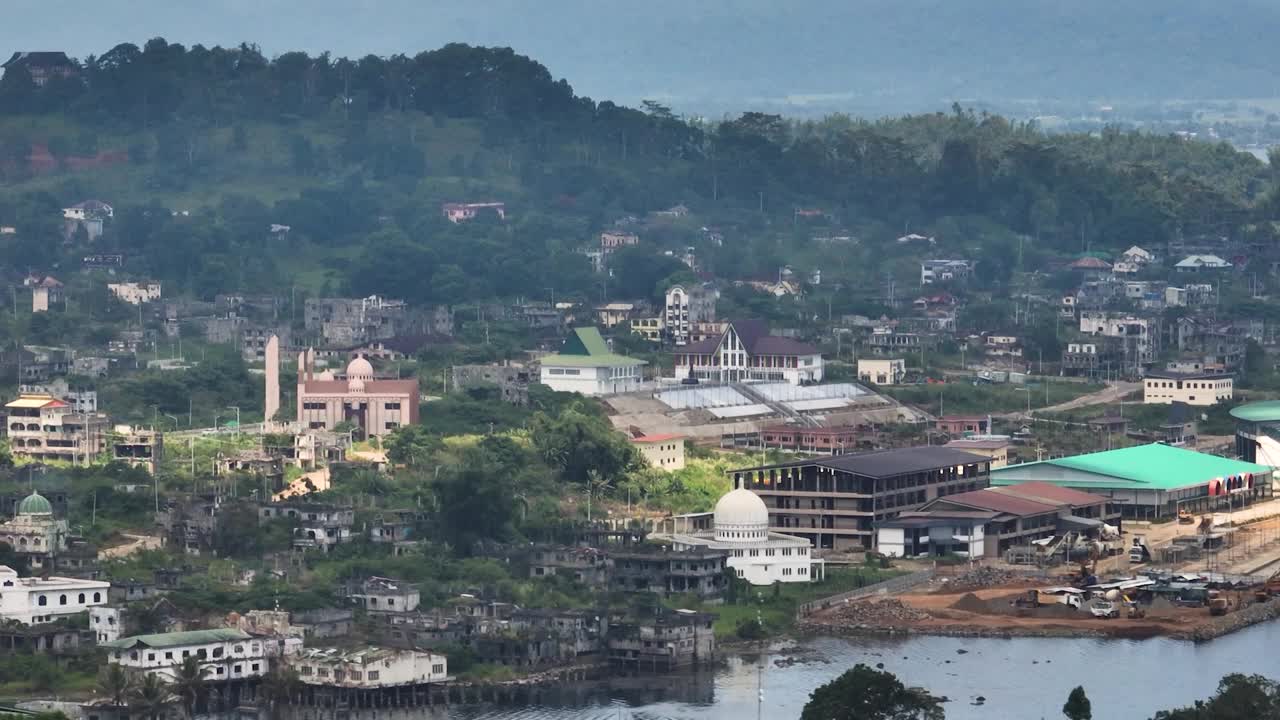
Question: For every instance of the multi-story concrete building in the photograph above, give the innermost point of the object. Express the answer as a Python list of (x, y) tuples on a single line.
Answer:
[(32, 601), (46, 292), (1165, 388), (587, 565), (43, 427), (586, 365), (649, 328), (382, 594), (138, 447), (686, 306), (320, 526), (376, 407), (746, 351), (1139, 342), (936, 271), (224, 653), (662, 451), (664, 572), (369, 667), (135, 293), (463, 212), (837, 502), (670, 640), (347, 322), (882, 371)]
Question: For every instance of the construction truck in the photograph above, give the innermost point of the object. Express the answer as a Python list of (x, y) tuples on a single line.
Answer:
[(1217, 603), (1186, 518), (1138, 551), (1268, 589)]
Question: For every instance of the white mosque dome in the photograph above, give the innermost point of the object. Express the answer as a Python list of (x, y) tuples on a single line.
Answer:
[(359, 368), (741, 516)]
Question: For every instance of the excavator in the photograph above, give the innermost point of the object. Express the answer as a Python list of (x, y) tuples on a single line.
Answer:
[(1268, 589)]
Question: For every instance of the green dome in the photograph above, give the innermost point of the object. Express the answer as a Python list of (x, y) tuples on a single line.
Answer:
[(35, 504)]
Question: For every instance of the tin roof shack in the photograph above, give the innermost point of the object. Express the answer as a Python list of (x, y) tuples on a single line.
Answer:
[(322, 623), (380, 594), (321, 526), (368, 668), (839, 501), (663, 571), (670, 640), (588, 566)]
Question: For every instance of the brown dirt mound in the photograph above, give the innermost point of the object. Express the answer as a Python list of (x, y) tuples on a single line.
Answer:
[(971, 603)]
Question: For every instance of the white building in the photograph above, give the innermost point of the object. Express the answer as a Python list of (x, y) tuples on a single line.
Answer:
[(586, 365), (1165, 388), (934, 271), (30, 601), (685, 307), (741, 527), (225, 653), (369, 668), (387, 595), (87, 210), (107, 623), (43, 427), (1197, 263), (135, 293), (664, 451), (746, 351), (882, 371), (35, 532)]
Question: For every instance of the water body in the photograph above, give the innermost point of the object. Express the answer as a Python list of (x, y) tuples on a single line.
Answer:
[(1021, 679)]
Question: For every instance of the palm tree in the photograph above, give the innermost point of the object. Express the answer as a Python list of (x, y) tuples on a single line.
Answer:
[(152, 697), (188, 681), (116, 683), (277, 689)]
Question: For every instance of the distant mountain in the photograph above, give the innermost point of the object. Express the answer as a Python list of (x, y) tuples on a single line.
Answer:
[(891, 54)]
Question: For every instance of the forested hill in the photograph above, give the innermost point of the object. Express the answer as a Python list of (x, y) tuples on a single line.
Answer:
[(897, 55), (201, 149)]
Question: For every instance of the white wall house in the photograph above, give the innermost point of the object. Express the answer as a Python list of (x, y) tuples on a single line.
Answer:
[(225, 653), (135, 293), (31, 601), (1165, 388), (369, 667), (586, 365), (882, 371), (746, 351), (107, 623), (906, 538), (758, 556)]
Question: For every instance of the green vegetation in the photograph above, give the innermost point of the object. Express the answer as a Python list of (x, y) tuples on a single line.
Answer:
[(864, 693), (775, 606), (962, 398)]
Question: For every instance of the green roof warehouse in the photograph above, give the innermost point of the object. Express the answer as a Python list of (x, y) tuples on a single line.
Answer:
[(1149, 481)]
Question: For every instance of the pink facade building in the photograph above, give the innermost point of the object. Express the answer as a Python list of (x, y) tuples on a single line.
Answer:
[(377, 407)]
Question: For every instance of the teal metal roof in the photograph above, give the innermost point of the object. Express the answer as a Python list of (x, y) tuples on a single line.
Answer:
[(175, 639), (1266, 411), (35, 504), (1151, 467)]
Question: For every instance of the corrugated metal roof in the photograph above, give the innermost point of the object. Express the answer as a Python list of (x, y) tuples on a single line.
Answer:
[(1155, 466), (36, 401), (990, 499), (174, 639), (887, 463), (1039, 490)]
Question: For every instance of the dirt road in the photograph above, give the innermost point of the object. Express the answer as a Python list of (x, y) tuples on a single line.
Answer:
[(1110, 394), (136, 543)]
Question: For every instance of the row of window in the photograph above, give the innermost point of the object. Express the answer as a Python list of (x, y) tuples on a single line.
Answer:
[(323, 405), (338, 675), (62, 599), (564, 371)]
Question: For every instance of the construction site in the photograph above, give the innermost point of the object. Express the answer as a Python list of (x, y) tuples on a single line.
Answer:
[(1194, 579)]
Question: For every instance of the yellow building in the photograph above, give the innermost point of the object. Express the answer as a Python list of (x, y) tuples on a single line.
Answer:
[(665, 452)]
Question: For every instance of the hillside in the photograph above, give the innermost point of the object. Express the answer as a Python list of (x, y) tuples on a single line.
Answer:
[(876, 55), (202, 150)]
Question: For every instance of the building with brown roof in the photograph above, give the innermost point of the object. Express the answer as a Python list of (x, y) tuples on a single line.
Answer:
[(746, 351), (994, 446), (840, 501), (377, 407), (991, 521), (42, 65)]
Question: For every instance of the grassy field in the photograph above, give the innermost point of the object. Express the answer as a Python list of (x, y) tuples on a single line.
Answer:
[(961, 398)]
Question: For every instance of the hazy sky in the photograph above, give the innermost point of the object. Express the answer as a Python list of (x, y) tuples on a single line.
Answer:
[(896, 51)]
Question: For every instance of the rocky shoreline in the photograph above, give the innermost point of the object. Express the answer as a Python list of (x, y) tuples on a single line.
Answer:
[(1215, 628)]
